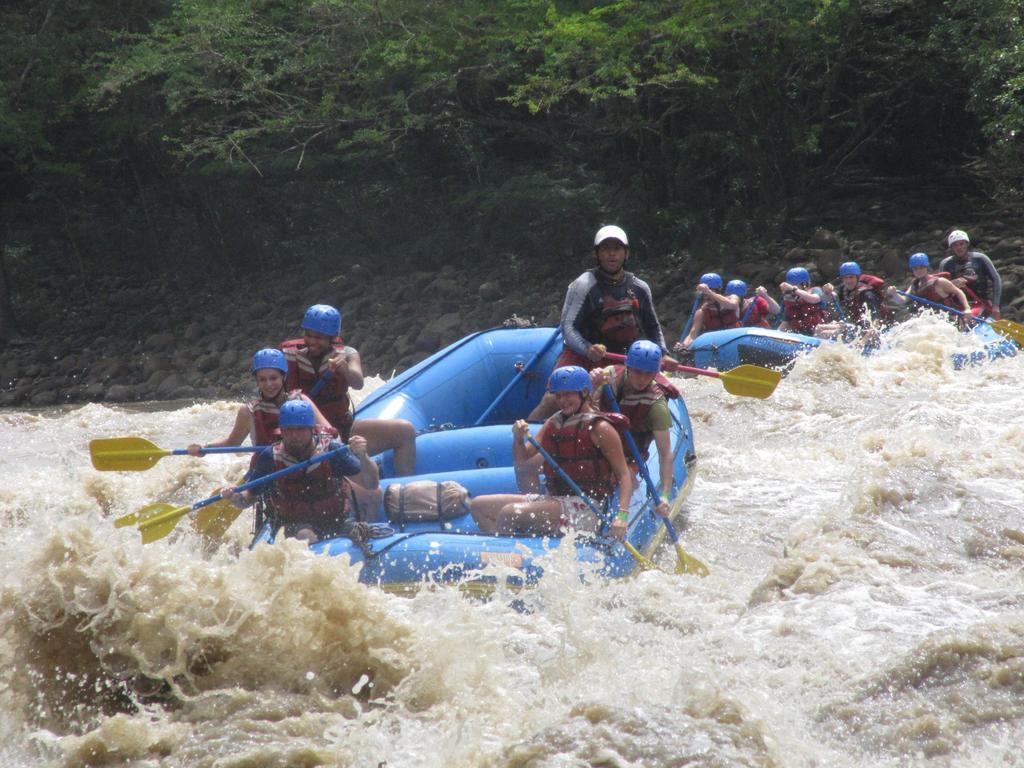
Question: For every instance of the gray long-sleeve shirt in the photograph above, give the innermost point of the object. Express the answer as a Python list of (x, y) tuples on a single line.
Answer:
[(583, 303), (980, 273)]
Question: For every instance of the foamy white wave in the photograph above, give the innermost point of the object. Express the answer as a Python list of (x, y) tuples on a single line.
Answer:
[(863, 526)]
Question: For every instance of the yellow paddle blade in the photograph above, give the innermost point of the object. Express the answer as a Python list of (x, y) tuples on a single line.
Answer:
[(686, 563), (643, 562), (126, 454), (157, 525), (214, 519), (1011, 330), (750, 381), (147, 512)]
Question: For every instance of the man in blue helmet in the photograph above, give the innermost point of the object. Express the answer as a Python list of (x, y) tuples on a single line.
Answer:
[(587, 446), (860, 295), (718, 310), (323, 367), (642, 394), (801, 304), (314, 504)]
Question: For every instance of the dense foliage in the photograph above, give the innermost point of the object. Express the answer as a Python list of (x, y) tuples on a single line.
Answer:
[(227, 134)]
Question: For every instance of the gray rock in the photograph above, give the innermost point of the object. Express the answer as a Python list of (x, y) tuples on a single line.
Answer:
[(823, 239), (169, 384), (490, 291), (120, 393), (44, 398), (161, 342)]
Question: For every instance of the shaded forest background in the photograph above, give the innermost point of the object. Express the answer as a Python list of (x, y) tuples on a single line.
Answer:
[(201, 170)]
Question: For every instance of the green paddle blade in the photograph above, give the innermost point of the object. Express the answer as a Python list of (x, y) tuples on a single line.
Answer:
[(1011, 330), (750, 381), (125, 454)]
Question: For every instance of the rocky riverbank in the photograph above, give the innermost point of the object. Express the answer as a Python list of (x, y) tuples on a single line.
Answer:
[(148, 340)]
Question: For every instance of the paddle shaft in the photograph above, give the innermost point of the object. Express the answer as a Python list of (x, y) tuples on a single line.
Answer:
[(515, 379), (214, 449), (693, 313), (668, 364), (273, 476), (565, 476), (943, 307), (644, 471)]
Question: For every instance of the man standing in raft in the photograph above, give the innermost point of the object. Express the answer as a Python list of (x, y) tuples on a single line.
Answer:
[(322, 367), (973, 271), (605, 310), (587, 445)]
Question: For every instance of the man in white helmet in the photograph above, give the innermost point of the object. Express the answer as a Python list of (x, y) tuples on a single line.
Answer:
[(974, 273), (605, 310)]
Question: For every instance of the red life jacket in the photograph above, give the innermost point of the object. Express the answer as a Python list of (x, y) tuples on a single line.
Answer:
[(636, 405), (615, 319), (925, 288), (332, 399), (854, 302), (311, 495), (716, 317), (756, 313), (802, 316), (265, 415), (568, 441), (618, 321)]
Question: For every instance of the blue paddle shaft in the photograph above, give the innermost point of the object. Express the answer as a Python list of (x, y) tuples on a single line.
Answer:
[(515, 379), (565, 476), (274, 475), (225, 449), (943, 307), (689, 320), (319, 384), (651, 487)]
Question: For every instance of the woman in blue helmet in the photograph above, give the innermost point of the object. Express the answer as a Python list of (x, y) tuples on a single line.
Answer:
[(755, 310), (801, 304), (935, 287), (257, 418), (322, 367), (643, 395), (718, 310), (587, 445)]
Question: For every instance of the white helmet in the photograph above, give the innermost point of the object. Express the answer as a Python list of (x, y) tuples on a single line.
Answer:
[(610, 232), (957, 236)]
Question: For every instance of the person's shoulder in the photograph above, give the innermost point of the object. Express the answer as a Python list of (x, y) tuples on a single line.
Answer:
[(585, 280)]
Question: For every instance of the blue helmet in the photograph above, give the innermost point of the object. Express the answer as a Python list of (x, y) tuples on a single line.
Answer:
[(269, 358), (644, 356), (323, 318), (296, 413), (848, 268), (569, 378), (736, 288), (918, 260), (712, 280), (798, 276)]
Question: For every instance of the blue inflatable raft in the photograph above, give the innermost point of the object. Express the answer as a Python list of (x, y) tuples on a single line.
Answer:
[(463, 401), (724, 350)]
